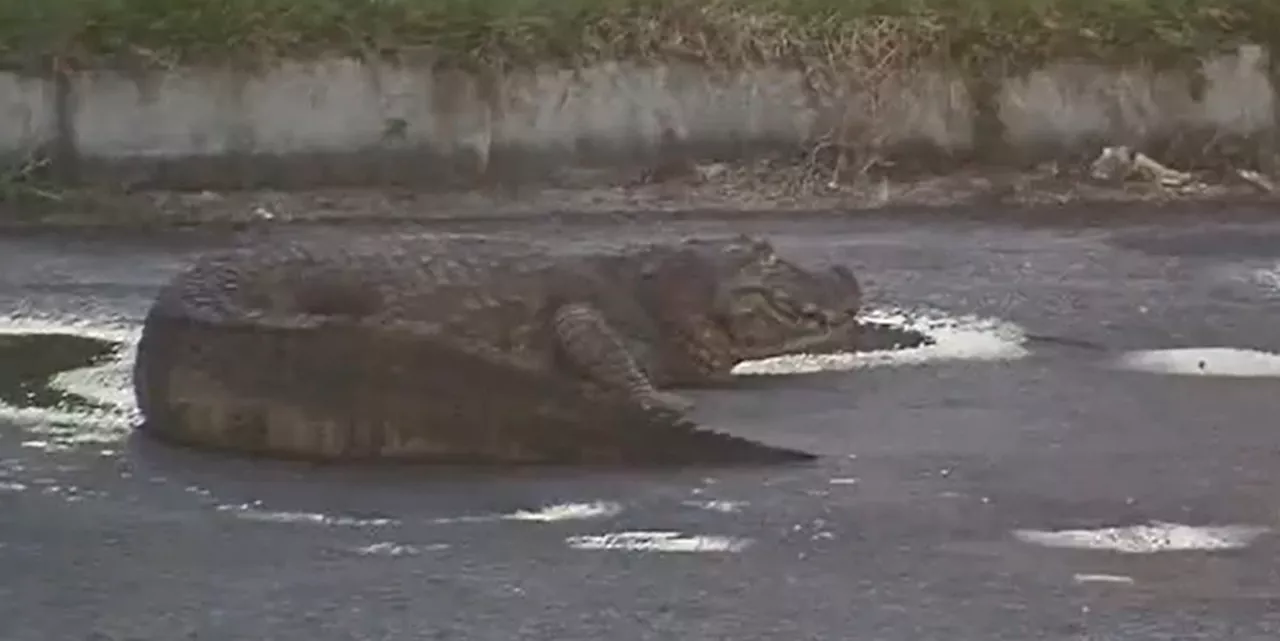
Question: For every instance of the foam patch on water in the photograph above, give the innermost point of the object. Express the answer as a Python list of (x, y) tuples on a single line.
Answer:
[(1102, 578), (116, 330), (1203, 361), (954, 338), (546, 514), (657, 541), (567, 512), (255, 512), (397, 549), (108, 386), (724, 507), (1155, 537), (1268, 278)]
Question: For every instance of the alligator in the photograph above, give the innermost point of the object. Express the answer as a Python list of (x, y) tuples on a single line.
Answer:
[(466, 348)]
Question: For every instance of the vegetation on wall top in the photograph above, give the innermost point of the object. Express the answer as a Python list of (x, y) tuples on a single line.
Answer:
[(505, 33)]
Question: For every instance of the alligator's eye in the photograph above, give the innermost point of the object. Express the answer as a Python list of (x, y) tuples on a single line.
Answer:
[(813, 315)]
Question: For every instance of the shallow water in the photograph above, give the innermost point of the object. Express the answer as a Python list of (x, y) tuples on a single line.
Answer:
[(990, 482), (31, 361)]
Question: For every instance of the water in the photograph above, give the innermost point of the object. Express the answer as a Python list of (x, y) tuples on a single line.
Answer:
[(67, 382), (31, 361)]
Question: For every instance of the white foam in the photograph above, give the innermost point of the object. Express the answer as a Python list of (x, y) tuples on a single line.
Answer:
[(109, 383), (254, 512), (567, 512), (116, 330), (106, 385), (482, 518), (1157, 536), (954, 338), (545, 514), (396, 549), (725, 507), (1203, 361), (1268, 278), (1102, 578), (657, 541)]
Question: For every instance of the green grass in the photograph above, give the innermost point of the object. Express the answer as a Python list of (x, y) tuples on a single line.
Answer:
[(723, 32)]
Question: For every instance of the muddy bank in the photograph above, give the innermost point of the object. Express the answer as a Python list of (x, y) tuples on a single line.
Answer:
[(1051, 194)]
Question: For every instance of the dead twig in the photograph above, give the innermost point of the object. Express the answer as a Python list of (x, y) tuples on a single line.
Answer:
[(21, 180), (1259, 181), (1120, 163)]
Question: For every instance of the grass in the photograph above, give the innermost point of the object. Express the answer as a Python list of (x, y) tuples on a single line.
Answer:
[(506, 33)]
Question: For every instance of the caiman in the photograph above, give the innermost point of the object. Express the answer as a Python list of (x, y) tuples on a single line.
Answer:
[(473, 349)]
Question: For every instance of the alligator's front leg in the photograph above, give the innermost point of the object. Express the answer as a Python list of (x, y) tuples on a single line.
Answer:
[(595, 348)]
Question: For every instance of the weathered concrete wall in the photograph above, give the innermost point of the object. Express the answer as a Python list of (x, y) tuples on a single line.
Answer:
[(28, 115), (1065, 104), (344, 121)]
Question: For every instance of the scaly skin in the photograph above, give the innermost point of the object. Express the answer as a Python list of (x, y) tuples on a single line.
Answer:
[(472, 348)]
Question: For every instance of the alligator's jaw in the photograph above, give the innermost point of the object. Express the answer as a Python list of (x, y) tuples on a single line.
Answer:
[(841, 337)]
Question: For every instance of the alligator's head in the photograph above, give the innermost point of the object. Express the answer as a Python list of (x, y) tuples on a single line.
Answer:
[(770, 306)]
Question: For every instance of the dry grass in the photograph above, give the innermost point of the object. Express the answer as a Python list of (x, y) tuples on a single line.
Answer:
[(504, 33)]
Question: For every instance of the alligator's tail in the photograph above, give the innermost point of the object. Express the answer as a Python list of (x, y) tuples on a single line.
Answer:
[(690, 444), (337, 393)]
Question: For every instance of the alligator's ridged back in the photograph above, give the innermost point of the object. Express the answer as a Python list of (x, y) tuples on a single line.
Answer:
[(344, 393), (345, 274)]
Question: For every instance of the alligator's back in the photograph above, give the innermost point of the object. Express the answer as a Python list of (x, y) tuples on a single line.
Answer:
[(344, 274), (207, 376)]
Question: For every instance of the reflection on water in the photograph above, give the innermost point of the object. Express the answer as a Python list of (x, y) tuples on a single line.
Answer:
[(29, 362)]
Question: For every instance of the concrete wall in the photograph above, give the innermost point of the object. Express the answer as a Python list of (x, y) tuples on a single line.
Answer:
[(28, 116), (342, 121)]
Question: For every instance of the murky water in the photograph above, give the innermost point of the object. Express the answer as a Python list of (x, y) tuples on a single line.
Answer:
[(66, 382), (953, 473), (31, 361)]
